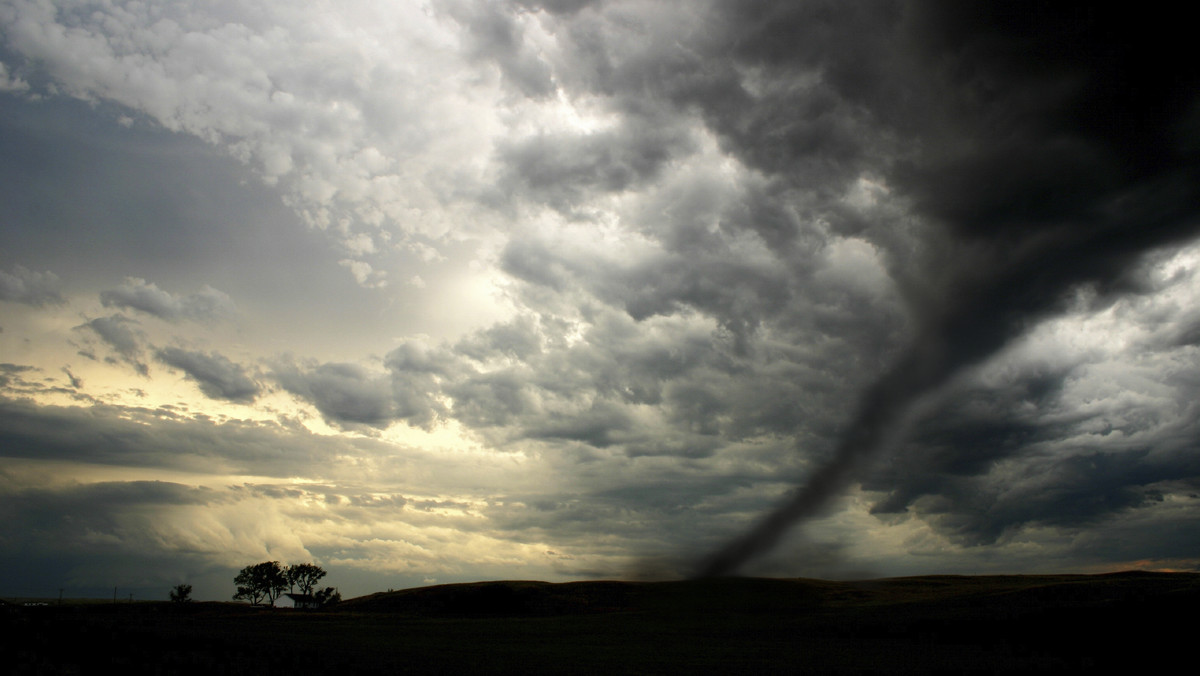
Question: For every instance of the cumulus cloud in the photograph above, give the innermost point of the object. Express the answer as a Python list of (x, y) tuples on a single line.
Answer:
[(31, 288), (216, 375), (343, 393), (565, 170), (355, 115), (207, 304), (497, 34)]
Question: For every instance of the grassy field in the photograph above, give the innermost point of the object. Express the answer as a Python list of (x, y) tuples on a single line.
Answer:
[(937, 624)]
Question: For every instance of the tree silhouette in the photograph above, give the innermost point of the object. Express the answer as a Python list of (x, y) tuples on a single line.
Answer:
[(328, 596), (305, 576), (182, 593), (262, 581)]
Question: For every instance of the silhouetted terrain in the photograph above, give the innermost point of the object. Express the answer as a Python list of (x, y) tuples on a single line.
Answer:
[(932, 624)]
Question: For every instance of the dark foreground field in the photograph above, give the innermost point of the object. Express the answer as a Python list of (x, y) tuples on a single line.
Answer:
[(938, 624)]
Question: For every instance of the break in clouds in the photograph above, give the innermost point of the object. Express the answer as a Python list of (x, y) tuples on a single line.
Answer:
[(463, 290)]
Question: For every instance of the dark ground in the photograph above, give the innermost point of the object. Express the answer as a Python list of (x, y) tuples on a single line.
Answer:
[(935, 624)]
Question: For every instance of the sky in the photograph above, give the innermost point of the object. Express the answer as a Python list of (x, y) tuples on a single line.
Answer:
[(435, 291)]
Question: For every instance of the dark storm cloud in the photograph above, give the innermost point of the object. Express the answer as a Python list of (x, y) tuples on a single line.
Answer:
[(89, 537), (31, 288), (601, 425), (343, 393), (656, 388), (992, 461), (635, 504), (217, 376), (417, 374), (718, 256), (789, 223), (739, 293), (560, 170), (136, 294), (970, 435), (160, 438), (1047, 162), (82, 518), (745, 255), (519, 381), (565, 393), (492, 399), (813, 79), (559, 6), (519, 339), (350, 395), (533, 261), (1027, 141), (85, 499), (495, 35), (768, 307), (1074, 491), (118, 332), (764, 76)]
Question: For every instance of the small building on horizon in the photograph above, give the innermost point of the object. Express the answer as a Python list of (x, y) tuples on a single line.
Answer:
[(299, 601)]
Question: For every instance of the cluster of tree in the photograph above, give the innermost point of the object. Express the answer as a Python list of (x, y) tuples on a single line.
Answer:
[(266, 581), (304, 576), (182, 593), (262, 581), (328, 596)]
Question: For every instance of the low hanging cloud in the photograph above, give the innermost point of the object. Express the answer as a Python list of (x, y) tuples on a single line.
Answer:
[(207, 304), (216, 375)]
